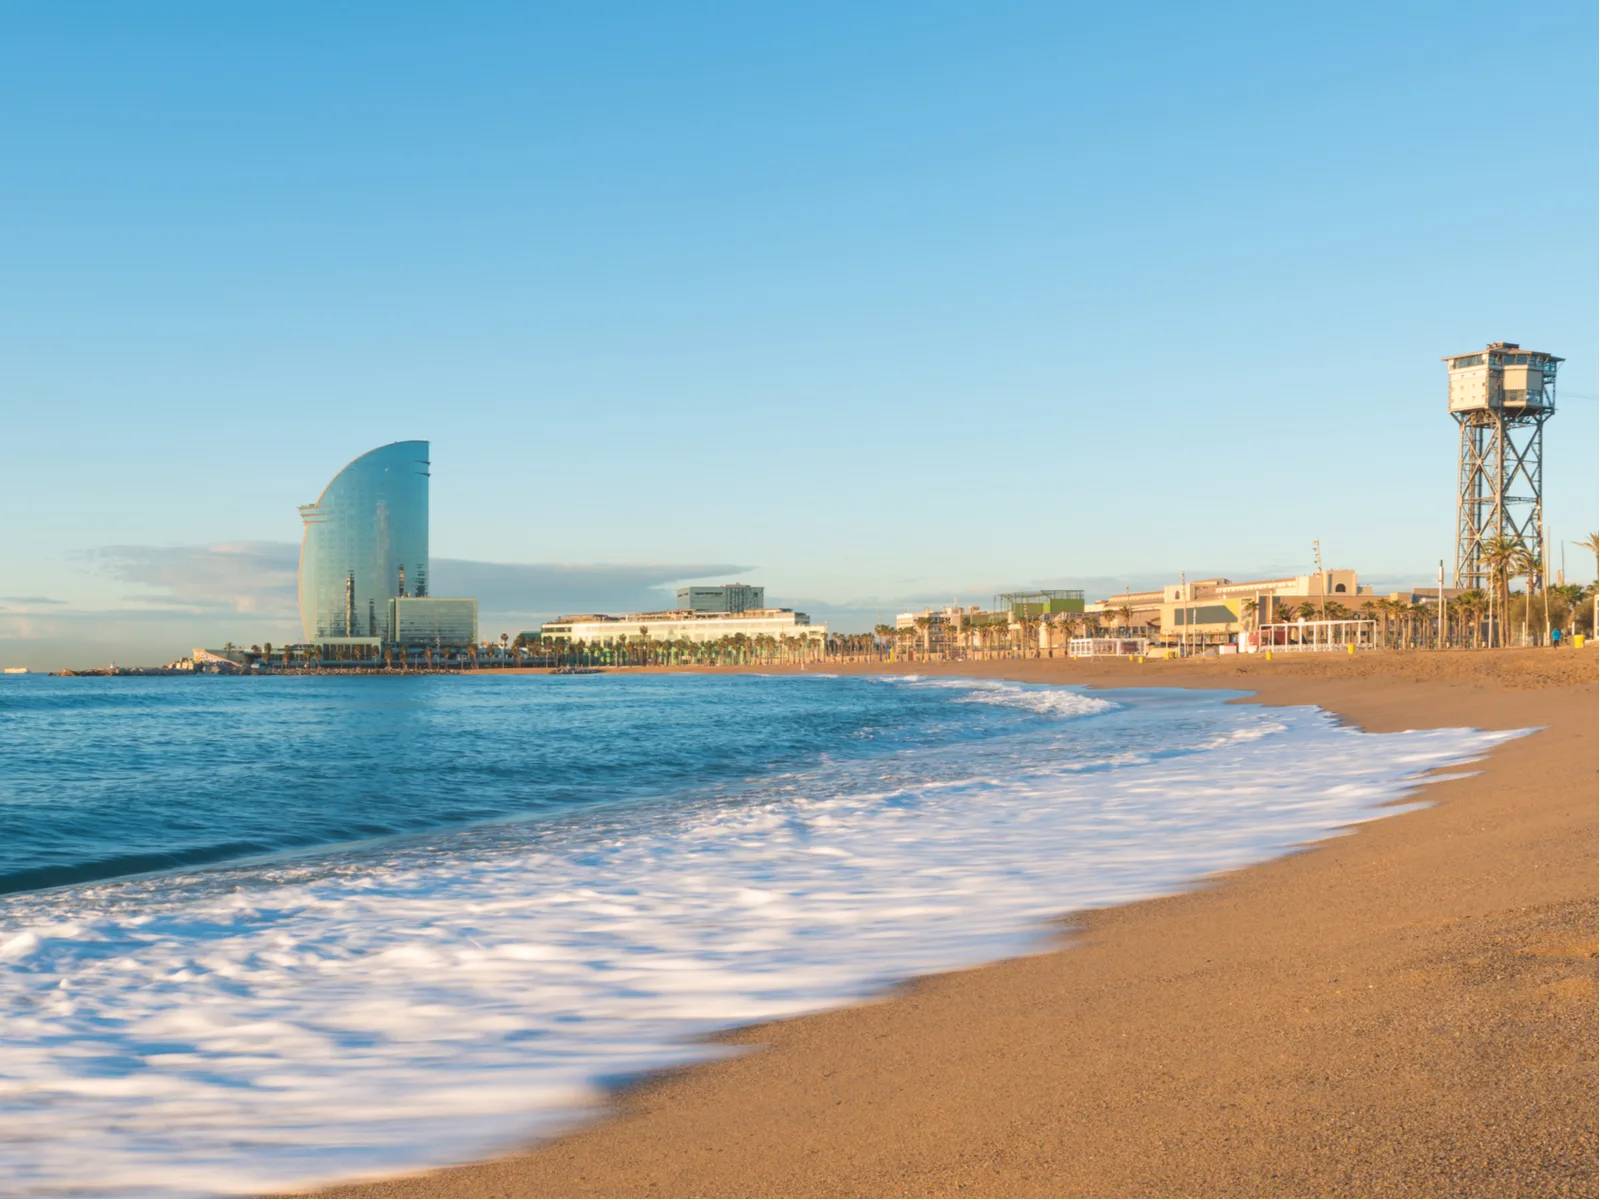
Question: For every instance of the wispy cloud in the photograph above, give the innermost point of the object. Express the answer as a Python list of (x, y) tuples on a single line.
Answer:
[(255, 578), (543, 588), (260, 579), (179, 597)]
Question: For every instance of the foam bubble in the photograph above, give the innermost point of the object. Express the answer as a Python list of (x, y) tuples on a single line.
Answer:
[(447, 996)]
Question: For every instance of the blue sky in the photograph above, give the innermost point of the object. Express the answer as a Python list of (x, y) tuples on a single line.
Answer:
[(876, 305)]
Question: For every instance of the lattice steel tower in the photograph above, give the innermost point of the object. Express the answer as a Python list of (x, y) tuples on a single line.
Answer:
[(1500, 397)]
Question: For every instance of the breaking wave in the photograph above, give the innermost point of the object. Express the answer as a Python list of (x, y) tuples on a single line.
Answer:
[(409, 1001)]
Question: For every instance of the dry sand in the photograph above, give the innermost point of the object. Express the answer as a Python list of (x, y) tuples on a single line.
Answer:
[(1406, 1011)]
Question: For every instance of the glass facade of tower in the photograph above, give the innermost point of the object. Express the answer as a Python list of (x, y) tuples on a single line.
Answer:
[(366, 541), (433, 621)]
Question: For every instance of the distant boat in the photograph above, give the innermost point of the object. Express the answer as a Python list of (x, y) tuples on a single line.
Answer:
[(16, 670)]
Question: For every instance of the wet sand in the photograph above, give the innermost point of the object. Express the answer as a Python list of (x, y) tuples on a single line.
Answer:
[(1407, 1010)]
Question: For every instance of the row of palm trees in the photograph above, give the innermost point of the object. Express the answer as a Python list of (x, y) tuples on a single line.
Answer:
[(1506, 558), (979, 635), (729, 650), (1475, 618)]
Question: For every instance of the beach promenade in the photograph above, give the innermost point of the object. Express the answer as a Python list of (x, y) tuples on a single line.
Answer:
[(1407, 1010)]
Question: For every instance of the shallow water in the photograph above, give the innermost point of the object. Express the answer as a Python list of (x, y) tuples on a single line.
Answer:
[(441, 913)]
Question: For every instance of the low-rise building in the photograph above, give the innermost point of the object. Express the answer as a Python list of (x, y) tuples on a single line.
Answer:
[(1040, 603), (433, 620), (684, 625), (1215, 611)]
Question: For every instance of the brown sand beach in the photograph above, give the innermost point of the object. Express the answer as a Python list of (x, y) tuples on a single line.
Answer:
[(1409, 1010)]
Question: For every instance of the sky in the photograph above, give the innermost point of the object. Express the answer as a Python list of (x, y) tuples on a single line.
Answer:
[(876, 305)]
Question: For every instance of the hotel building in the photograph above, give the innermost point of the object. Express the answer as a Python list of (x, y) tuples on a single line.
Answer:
[(365, 548)]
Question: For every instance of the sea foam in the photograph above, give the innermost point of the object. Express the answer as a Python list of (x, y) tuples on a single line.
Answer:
[(450, 995)]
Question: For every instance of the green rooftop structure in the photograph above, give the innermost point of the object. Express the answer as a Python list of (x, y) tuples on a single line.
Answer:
[(1041, 603)]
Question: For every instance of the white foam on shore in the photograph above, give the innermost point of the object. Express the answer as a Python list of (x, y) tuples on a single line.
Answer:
[(1049, 701), (449, 997)]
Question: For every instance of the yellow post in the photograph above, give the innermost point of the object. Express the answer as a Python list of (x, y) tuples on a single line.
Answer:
[(1269, 655), (1350, 647)]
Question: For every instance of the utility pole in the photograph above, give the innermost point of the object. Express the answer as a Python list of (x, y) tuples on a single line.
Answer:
[(1544, 568)]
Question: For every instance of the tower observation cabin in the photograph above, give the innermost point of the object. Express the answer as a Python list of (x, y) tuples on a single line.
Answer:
[(1500, 397)]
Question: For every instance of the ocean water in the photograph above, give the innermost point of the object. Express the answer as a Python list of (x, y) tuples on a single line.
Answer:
[(264, 933)]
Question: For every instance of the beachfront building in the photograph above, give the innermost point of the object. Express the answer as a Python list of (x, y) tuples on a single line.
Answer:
[(931, 631), (1042, 603), (364, 561), (433, 620), (684, 625), (724, 598), (1203, 613), (366, 541), (975, 632)]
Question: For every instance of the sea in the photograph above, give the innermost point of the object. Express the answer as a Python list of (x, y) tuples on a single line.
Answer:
[(266, 933)]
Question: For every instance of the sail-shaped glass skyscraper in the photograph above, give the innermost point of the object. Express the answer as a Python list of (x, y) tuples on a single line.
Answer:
[(366, 541)]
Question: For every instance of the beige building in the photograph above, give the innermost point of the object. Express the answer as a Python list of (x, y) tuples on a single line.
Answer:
[(1212, 611), (683, 625)]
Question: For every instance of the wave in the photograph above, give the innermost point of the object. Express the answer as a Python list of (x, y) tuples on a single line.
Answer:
[(446, 997), (1042, 699)]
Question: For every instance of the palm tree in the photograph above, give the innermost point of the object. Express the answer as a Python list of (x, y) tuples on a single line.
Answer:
[(1368, 611), (1470, 606), (1125, 615), (1526, 564), (1567, 596), (1499, 556)]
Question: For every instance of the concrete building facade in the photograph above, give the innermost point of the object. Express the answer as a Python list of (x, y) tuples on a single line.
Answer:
[(684, 625)]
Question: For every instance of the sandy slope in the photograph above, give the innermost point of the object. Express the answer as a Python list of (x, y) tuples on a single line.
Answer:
[(1407, 1010)]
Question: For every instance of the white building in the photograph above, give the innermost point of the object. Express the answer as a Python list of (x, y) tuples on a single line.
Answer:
[(679, 625)]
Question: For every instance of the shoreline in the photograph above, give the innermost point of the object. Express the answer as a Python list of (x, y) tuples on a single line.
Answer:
[(1406, 1009)]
